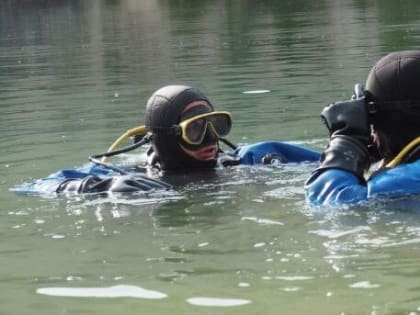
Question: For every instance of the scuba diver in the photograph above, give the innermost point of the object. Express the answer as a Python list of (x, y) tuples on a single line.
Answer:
[(379, 126), (184, 134)]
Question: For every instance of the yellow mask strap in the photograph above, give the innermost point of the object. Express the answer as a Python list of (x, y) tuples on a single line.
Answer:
[(186, 122)]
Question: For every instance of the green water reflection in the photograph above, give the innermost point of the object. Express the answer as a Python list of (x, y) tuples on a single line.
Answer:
[(76, 74)]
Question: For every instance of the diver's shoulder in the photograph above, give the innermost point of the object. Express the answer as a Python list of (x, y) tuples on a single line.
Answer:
[(402, 179)]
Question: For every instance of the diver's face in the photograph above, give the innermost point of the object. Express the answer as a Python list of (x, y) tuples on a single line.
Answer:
[(208, 149), (377, 149)]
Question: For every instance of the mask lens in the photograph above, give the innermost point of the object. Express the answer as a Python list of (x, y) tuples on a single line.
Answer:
[(221, 124), (195, 130)]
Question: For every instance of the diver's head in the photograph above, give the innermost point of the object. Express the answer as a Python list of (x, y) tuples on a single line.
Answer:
[(393, 85), (183, 124)]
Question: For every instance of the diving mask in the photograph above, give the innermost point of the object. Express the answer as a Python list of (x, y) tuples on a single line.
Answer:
[(194, 129)]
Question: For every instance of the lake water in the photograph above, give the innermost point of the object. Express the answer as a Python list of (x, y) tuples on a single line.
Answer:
[(74, 75)]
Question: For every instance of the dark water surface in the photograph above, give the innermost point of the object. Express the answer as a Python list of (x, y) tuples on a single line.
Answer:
[(74, 75)]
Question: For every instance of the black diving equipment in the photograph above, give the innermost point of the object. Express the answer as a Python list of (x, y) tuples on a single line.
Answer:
[(193, 130), (116, 184), (374, 106), (126, 180), (112, 152), (364, 107), (348, 117), (350, 135)]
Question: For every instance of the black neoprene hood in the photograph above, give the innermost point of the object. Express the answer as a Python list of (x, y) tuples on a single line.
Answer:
[(394, 86), (163, 110), (164, 107), (395, 77)]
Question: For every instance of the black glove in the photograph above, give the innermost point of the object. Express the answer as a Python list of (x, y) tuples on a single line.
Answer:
[(348, 118), (121, 183), (349, 129)]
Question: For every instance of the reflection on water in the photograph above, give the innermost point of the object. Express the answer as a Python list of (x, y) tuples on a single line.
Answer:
[(76, 74), (220, 302), (119, 291)]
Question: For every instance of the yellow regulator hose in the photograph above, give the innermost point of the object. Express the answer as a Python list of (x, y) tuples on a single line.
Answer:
[(404, 152), (129, 133)]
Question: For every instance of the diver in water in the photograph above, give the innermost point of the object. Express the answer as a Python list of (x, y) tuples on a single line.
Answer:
[(380, 125), (185, 129), (184, 134)]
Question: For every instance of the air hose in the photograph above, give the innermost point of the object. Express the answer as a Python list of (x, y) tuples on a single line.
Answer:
[(111, 152)]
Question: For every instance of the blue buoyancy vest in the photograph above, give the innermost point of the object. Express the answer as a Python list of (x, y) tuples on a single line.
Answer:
[(265, 152), (336, 186)]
